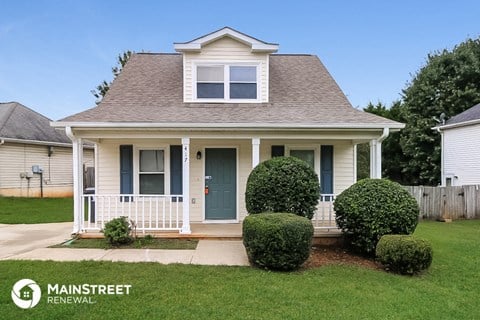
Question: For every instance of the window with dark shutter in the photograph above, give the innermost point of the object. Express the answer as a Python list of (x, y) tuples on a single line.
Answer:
[(278, 151), (176, 173), (126, 171), (326, 170)]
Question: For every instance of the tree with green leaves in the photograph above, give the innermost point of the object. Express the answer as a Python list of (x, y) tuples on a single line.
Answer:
[(449, 83), (101, 90), (392, 153)]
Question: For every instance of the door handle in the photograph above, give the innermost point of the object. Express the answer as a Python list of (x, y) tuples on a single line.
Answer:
[(208, 177)]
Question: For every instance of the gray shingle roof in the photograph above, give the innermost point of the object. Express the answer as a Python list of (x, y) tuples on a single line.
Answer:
[(468, 115), (20, 122), (302, 92)]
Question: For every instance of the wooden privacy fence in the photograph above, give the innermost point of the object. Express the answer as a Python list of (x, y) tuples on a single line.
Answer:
[(447, 202)]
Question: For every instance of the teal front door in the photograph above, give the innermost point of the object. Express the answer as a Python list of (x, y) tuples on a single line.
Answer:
[(220, 184)]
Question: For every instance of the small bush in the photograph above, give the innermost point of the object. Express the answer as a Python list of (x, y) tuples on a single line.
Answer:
[(372, 208), (404, 254), (279, 241), (117, 231), (283, 184)]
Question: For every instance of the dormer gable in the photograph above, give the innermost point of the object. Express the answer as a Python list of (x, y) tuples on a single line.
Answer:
[(256, 45), (226, 66)]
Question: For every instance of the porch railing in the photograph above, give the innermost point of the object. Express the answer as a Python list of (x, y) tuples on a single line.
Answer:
[(148, 212), (324, 217)]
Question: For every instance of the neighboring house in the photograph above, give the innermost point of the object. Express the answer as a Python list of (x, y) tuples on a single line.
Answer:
[(178, 134), (34, 157), (461, 148)]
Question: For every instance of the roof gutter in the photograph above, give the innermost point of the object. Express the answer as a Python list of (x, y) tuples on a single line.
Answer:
[(36, 142), (456, 125), (213, 126)]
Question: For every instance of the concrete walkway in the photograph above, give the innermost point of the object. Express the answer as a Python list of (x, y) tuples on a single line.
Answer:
[(30, 242)]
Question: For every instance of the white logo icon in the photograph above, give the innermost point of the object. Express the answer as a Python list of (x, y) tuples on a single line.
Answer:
[(26, 293)]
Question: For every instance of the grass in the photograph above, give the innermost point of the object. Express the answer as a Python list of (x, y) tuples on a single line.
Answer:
[(449, 290), (140, 243), (35, 210)]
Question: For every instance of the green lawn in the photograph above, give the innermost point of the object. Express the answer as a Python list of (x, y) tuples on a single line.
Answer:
[(35, 210), (140, 243), (449, 290)]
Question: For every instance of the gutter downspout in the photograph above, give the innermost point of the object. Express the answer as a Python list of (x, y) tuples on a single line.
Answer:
[(77, 155)]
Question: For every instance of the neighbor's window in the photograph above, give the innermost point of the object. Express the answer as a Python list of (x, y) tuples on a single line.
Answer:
[(227, 82), (152, 172)]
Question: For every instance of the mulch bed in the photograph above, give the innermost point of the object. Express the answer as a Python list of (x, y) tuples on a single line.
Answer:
[(327, 255)]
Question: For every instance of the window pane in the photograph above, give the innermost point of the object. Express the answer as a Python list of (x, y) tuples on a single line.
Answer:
[(243, 91), (151, 161), (306, 155), (207, 74), (152, 184), (243, 74), (210, 90)]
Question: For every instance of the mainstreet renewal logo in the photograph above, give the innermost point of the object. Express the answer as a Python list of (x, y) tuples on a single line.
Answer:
[(26, 293)]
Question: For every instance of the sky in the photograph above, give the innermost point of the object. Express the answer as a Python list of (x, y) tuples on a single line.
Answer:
[(53, 53)]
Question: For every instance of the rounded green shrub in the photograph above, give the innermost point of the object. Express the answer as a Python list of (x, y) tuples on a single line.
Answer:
[(372, 208), (117, 231), (283, 184), (278, 241), (404, 254)]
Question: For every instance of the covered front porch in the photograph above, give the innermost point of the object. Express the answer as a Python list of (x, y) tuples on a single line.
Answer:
[(162, 215), (189, 167)]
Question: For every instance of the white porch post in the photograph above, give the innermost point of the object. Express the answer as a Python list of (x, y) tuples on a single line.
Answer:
[(373, 159), (376, 155), (77, 154), (186, 186), (378, 161), (255, 152)]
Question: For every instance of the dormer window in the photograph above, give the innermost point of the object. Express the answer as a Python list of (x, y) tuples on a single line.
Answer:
[(227, 82), (210, 82)]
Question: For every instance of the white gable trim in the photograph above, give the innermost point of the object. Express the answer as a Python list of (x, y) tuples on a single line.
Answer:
[(256, 45)]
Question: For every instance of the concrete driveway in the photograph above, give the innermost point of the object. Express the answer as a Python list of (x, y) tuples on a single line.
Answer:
[(16, 239), (30, 242)]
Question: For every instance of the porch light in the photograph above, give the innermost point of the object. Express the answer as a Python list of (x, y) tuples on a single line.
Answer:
[(199, 155)]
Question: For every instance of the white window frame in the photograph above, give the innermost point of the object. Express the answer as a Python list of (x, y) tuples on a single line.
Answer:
[(226, 80), (166, 168), (307, 147)]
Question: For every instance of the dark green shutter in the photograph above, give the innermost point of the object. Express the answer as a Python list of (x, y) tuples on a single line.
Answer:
[(326, 172), (176, 173), (278, 151), (126, 170)]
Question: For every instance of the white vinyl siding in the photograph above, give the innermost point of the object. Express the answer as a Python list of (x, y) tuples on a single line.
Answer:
[(17, 159), (462, 155), (225, 50)]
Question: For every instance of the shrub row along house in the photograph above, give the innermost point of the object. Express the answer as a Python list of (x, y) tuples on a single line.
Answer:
[(35, 159), (178, 134)]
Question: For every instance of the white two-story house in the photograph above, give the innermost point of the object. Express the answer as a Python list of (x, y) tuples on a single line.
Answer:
[(178, 134)]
